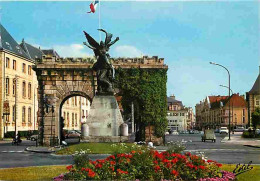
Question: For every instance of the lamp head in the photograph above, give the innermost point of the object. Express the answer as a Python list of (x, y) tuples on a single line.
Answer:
[(212, 63)]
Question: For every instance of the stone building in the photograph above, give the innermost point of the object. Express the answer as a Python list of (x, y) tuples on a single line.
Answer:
[(177, 115), (253, 97), (214, 112), (19, 86)]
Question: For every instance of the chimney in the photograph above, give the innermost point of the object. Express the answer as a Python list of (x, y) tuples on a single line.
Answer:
[(172, 96)]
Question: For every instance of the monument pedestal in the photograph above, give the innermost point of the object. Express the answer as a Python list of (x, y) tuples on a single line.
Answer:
[(104, 120)]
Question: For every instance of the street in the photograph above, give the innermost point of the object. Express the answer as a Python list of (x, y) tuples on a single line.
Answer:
[(229, 152)]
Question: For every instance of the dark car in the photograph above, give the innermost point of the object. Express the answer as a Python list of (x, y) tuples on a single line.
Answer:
[(72, 134)]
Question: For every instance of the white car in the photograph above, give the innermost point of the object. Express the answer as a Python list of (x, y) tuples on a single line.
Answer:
[(223, 130), (175, 132)]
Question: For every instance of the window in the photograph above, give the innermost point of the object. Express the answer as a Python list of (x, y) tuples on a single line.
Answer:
[(14, 113), (29, 115), (76, 101), (7, 89), (14, 86), (14, 64), (24, 68), (7, 118), (68, 101), (7, 62), (29, 90), (24, 89), (83, 113), (68, 119), (29, 69), (86, 113), (72, 119), (23, 115), (243, 112), (257, 100), (76, 117)]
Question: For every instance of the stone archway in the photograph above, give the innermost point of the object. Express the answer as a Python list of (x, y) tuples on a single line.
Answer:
[(58, 80)]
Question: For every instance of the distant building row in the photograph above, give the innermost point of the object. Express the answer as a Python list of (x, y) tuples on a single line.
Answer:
[(179, 118), (213, 111)]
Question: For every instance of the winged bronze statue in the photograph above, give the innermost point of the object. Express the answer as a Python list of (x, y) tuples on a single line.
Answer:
[(103, 66)]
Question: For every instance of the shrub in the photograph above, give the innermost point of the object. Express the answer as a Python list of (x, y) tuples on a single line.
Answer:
[(10, 134), (147, 164)]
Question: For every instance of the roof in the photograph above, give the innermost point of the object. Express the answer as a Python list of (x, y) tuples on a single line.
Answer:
[(7, 42), (221, 101), (32, 51), (173, 101), (51, 52), (256, 87)]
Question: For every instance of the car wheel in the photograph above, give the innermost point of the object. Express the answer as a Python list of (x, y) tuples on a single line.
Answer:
[(32, 139)]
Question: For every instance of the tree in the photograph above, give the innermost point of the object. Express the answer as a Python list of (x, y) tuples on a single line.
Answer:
[(256, 118)]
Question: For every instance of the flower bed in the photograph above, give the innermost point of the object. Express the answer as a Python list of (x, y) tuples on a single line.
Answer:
[(145, 164)]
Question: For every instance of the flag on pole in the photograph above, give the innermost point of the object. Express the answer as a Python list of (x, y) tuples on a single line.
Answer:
[(93, 6)]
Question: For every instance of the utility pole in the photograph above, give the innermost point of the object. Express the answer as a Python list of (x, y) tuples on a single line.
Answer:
[(16, 86)]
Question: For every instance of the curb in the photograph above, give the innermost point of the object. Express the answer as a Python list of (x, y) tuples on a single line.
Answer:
[(253, 146), (38, 151)]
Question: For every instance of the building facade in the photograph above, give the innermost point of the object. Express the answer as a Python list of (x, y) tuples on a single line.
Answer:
[(253, 98), (213, 112), (19, 88), (178, 116)]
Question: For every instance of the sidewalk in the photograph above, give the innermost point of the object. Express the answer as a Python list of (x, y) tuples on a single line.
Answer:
[(252, 142), (41, 149)]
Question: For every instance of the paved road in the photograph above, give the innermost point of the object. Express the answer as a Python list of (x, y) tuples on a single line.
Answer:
[(223, 152), (228, 152)]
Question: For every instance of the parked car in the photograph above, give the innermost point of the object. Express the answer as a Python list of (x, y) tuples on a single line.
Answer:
[(239, 129), (191, 132), (34, 137), (216, 131), (72, 134), (175, 132), (223, 130), (196, 132)]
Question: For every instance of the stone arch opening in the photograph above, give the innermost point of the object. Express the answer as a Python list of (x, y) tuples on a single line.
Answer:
[(76, 114)]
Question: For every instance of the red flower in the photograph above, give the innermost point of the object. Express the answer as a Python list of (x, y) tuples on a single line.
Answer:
[(219, 164), (122, 172), (98, 165), (112, 162), (165, 161), (112, 168), (209, 161), (133, 152), (174, 172), (202, 167), (91, 173), (69, 167), (157, 168), (188, 154), (168, 165), (175, 160), (155, 162)]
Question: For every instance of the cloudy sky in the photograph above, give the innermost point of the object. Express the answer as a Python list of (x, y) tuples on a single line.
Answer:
[(187, 34)]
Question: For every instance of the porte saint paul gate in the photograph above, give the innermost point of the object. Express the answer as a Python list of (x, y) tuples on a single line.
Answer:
[(62, 78)]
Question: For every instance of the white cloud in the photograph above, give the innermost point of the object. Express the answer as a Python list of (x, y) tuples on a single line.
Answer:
[(126, 51), (73, 50)]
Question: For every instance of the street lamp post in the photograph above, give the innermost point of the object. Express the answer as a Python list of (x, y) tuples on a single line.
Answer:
[(232, 106), (228, 95)]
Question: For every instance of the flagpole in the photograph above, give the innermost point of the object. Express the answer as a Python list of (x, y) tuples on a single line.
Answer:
[(99, 22)]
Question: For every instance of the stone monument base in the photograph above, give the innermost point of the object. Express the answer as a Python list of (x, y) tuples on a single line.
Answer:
[(104, 121), (105, 139)]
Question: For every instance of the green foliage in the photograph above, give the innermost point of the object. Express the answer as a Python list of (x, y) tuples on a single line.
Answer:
[(256, 118), (10, 134), (146, 88)]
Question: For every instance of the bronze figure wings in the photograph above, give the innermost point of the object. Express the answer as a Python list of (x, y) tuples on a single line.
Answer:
[(91, 41)]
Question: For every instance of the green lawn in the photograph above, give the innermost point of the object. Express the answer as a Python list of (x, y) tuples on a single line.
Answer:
[(48, 172), (95, 148), (32, 173)]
